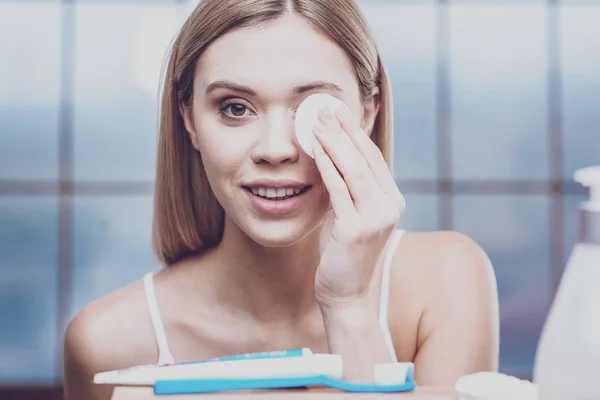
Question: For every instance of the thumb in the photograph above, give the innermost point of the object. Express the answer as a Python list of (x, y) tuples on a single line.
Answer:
[(326, 229)]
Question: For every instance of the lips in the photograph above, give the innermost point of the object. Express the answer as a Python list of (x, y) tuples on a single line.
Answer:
[(277, 205)]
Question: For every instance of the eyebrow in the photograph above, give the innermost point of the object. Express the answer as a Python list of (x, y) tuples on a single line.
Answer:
[(223, 84), (316, 85)]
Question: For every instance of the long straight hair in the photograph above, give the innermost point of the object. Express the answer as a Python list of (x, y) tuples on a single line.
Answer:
[(188, 219)]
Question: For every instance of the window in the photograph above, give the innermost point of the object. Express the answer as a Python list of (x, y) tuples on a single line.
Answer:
[(495, 108)]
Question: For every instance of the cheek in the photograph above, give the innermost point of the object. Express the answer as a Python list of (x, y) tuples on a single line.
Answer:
[(223, 151)]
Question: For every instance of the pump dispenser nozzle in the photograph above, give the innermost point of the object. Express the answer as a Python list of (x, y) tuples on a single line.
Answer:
[(589, 212), (590, 177)]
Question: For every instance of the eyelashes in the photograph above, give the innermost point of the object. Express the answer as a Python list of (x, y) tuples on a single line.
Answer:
[(238, 110)]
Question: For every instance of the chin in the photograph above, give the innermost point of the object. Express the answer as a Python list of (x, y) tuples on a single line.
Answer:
[(275, 231), (278, 233)]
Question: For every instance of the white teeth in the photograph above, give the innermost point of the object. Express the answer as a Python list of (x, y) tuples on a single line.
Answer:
[(275, 192)]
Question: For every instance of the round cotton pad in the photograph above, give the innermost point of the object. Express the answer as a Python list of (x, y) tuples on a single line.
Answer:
[(307, 116), (495, 386)]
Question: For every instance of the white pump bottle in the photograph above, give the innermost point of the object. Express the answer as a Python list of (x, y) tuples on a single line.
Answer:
[(567, 365)]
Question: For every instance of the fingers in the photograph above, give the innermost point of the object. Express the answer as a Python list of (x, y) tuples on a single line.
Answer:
[(340, 198), (372, 155), (352, 166), (360, 167)]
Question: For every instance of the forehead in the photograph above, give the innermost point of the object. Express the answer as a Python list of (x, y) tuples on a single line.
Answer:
[(283, 53)]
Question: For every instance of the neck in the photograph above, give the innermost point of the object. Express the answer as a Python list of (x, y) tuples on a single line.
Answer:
[(272, 284)]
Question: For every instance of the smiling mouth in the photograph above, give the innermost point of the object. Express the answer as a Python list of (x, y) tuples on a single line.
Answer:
[(276, 194)]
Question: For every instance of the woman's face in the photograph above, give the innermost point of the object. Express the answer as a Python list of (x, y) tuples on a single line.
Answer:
[(247, 87)]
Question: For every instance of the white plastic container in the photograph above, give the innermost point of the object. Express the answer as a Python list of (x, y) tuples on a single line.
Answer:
[(567, 365)]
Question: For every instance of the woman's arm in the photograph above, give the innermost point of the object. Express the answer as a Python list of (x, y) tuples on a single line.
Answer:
[(86, 352), (353, 330), (366, 205), (459, 329), (112, 332)]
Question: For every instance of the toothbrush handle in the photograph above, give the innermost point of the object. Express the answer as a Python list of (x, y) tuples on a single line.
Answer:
[(191, 386)]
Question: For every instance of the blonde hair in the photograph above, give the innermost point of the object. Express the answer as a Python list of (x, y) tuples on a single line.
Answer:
[(188, 219)]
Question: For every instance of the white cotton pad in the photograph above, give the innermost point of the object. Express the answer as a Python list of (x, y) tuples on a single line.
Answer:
[(307, 116), (495, 386)]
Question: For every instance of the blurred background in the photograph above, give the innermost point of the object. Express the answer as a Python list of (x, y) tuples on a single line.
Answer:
[(496, 105)]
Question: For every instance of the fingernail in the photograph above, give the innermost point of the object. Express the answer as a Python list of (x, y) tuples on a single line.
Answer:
[(326, 113)]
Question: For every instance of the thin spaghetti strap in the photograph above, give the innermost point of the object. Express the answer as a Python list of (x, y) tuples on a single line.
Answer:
[(385, 291), (164, 354)]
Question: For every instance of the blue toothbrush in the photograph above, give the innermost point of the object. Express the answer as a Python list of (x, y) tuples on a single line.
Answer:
[(192, 386)]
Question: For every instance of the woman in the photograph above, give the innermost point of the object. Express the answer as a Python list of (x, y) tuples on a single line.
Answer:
[(266, 248)]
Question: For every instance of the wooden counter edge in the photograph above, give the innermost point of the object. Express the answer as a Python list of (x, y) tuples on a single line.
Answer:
[(421, 393)]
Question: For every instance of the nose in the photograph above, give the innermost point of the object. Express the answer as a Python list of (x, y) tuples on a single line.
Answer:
[(277, 141)]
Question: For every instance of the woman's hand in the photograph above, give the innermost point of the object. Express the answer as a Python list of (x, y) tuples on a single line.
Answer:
[(366, 206)]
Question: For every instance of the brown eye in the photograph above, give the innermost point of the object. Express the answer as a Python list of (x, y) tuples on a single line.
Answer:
[(234, 109), (238, 110)]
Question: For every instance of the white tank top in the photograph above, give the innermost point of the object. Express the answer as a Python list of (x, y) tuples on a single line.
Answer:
[(164, 354)]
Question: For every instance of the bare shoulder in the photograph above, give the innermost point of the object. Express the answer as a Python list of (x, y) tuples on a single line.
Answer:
[(450, 282), (444, 269), (442, 257), (110, 333), (438, 274)]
